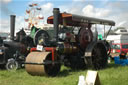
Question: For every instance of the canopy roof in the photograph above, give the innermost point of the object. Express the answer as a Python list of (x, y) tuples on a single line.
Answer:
[(77, 20)]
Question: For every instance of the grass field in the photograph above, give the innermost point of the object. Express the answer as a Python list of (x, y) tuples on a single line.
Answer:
[(112, 75)]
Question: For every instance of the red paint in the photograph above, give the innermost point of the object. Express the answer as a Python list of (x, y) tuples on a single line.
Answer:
[(33, 49), (121, 48), (51, 49)]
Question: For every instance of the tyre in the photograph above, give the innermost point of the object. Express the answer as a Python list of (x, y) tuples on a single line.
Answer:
[(12, 65)]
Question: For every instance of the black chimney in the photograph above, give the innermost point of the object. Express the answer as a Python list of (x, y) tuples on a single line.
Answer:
[(56, 14), (12, 26)]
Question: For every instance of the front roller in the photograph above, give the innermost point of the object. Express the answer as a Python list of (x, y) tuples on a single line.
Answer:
[(40, 63)]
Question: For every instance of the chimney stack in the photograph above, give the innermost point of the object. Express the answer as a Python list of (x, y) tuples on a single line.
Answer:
[(12, 26)]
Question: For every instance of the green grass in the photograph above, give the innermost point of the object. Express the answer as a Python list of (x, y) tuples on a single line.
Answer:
[(112, 75)]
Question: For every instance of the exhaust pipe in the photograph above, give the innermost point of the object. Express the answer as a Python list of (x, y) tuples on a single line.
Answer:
[(56, 14), (12, 26)]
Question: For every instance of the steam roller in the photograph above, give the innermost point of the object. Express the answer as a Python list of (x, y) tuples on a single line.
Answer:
[(73, 44)]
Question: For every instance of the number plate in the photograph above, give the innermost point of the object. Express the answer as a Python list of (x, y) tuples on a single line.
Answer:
[(88, 54), (39, 47)]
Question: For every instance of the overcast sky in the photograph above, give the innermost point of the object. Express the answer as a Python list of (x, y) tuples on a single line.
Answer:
[(116, 10)]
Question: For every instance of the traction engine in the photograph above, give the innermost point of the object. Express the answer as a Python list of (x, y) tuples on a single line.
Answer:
[(73, 44)]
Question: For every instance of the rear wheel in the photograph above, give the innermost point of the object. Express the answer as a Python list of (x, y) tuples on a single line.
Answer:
[(99, 56)]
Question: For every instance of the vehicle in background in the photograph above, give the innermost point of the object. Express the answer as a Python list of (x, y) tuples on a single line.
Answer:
[(14, 49), (119, 49), (119, 44)]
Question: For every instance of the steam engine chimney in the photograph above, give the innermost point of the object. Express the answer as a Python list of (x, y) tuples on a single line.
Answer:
[(56, 14), (12, 26)]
